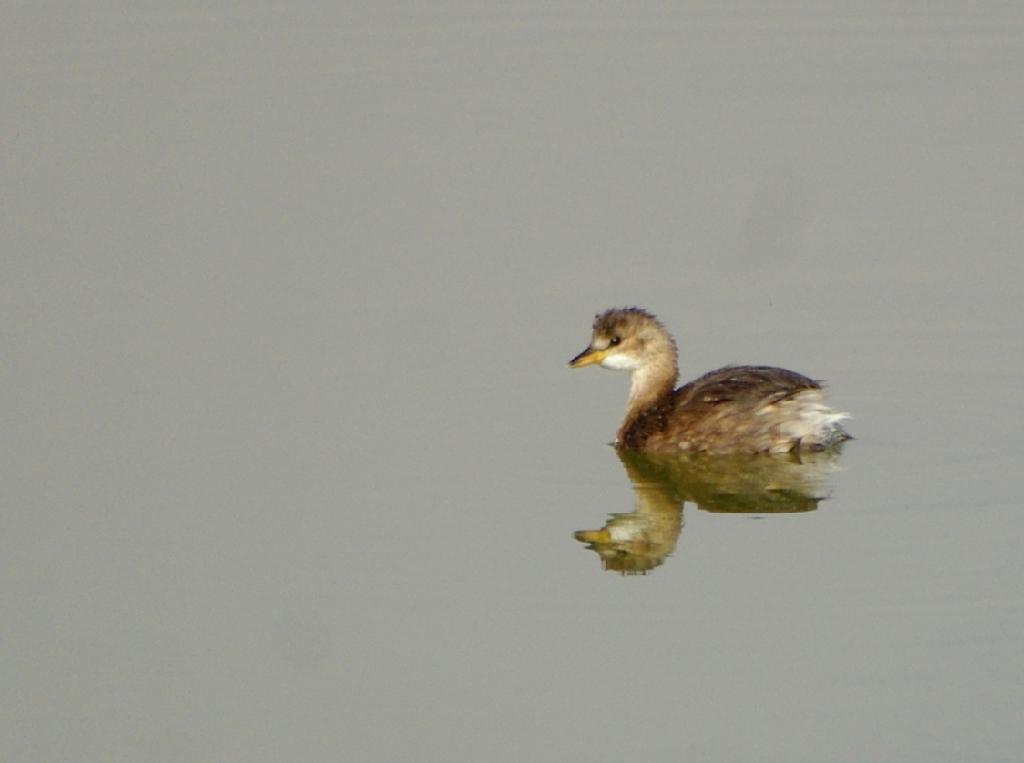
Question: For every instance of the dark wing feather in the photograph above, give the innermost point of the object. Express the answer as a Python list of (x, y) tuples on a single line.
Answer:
[(740, 384), (717, 409)]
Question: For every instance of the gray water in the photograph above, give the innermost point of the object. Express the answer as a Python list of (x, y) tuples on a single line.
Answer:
[(292, 460)]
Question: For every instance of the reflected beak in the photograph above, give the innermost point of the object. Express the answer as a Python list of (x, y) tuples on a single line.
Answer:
[(588, 357)]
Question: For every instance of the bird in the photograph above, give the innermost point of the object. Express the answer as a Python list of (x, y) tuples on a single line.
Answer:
[(732, 410)]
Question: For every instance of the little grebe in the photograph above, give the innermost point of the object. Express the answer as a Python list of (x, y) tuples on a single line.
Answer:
[(736, 409)]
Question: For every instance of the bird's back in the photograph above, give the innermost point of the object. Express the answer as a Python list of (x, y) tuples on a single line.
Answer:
[(739, 409)]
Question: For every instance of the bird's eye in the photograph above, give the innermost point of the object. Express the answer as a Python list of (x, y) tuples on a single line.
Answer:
[(615, 341)]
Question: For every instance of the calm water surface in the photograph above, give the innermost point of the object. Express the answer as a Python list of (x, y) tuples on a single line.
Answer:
[(293, 464)]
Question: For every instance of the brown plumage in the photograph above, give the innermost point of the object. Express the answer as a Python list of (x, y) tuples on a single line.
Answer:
[(736, 409)]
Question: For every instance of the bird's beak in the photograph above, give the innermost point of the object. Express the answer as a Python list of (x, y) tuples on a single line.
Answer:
[(588, 357), (593, 537)]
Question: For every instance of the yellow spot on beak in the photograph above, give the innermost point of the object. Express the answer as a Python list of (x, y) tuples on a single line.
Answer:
[(592, 536), (588, 357)]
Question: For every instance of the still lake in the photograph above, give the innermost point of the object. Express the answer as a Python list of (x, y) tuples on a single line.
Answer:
[(293, 461)]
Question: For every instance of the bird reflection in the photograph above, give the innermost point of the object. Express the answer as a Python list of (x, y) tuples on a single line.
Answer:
[(637, 542)]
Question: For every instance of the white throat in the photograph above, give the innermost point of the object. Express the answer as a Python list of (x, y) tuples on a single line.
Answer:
[(620, 362)]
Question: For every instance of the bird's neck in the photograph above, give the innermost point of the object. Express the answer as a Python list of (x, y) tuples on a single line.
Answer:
[(652, 383)]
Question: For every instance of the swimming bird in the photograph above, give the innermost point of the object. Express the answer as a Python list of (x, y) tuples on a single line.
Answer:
[(735, 409)]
